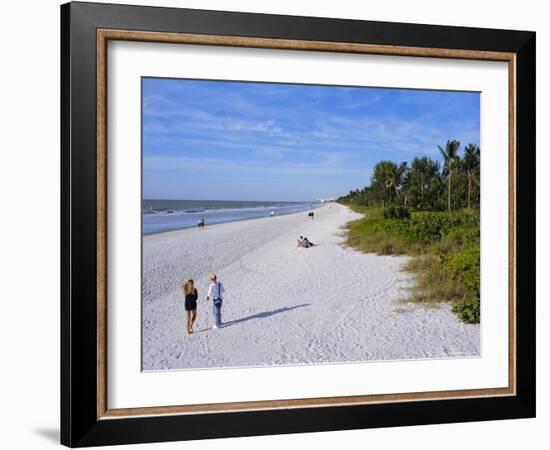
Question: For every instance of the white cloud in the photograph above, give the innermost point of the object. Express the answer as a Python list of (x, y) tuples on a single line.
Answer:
[(327, 165)]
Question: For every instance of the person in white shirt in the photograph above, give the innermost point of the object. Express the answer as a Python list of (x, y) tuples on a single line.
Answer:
[(216, 291)]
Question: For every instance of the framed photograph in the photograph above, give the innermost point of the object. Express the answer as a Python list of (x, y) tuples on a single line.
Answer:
[(277, 224)]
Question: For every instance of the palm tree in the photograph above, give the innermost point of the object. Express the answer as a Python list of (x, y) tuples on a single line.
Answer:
[(451, 160), (401, 177), (394, 177), (421, 174), (389, 184), (382, 180), (470, 163)]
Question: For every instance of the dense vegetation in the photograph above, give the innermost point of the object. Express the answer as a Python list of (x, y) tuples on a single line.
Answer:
[(425, 184), (430, 211)]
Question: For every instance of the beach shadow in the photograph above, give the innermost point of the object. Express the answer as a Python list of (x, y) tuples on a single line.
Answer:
[(310, 247), (200, 331), (263, 315), (50, 434)]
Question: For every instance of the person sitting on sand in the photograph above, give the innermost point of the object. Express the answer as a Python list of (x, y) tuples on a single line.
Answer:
[(216, 291), (308, 243), (191, 296), (300, 242)]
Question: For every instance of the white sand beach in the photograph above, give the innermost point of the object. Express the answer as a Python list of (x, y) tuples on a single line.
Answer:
[(287, 305)]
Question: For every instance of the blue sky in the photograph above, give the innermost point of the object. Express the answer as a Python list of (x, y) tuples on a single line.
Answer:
[(217, 140)]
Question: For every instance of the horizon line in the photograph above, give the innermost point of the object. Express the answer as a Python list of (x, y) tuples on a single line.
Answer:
[(235, 200)]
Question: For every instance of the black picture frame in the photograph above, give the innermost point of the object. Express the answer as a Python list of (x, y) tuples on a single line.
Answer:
[(80, 425)]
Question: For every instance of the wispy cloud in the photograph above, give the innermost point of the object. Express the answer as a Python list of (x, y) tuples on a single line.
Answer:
[(306, 134)]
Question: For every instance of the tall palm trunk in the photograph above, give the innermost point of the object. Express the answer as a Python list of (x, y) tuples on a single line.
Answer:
[(449, 187), (469, 187), (422, 187)]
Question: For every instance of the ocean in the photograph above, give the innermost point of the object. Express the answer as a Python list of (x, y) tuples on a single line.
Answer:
[(168, 215)]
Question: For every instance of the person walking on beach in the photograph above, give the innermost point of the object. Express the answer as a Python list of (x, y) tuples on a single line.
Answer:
[(216, 291), (191, 296)]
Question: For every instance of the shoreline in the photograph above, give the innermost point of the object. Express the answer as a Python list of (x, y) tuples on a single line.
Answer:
[(231, 221), (316, 207), (287, 305)]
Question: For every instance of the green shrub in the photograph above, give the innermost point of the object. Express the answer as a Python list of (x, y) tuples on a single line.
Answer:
[(464, 266), (397, 212), (467, 310)]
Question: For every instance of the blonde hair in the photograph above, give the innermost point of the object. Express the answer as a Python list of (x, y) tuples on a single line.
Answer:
[(189, 287), (213, 277)]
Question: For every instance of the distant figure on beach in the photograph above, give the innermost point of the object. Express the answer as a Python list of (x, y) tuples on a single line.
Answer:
[(311, 214), (304, 242), (200, 223), (307, 243), (216, 291), (191, 296), (272, 213)]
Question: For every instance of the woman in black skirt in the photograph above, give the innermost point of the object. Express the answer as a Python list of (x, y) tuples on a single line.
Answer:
[(191, 296)]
